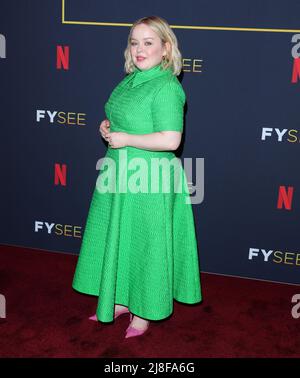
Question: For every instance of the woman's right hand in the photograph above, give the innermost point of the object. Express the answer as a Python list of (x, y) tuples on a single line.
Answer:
[(104, 128)]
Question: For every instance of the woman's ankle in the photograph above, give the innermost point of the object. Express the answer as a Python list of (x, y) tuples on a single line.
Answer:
[(117, 306)]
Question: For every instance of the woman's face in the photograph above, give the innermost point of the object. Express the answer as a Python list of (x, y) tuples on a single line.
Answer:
[(146, 47)]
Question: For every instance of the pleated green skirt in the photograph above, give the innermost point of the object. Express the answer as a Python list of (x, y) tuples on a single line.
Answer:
[(139, 249)]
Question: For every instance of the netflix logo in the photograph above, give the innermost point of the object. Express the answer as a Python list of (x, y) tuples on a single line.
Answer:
[(285, 197), (62, 57)]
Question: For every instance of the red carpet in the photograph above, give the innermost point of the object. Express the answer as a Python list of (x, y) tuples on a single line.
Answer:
[(45, 317)]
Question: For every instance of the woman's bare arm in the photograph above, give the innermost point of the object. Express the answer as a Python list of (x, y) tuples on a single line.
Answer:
[(158, 141)]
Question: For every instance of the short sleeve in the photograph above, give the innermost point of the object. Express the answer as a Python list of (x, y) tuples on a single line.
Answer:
[(167, 107)]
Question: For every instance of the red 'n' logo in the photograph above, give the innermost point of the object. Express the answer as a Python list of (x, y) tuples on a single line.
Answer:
[(285, 197), (62, 57), (60, 174)]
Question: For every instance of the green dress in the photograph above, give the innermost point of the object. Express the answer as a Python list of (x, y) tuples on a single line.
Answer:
[(139, 247)]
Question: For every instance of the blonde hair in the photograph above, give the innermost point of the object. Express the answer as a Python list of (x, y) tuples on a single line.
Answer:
[(160, 26)]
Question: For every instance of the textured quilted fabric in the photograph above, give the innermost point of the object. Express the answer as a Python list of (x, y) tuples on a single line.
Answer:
[(139, 249)]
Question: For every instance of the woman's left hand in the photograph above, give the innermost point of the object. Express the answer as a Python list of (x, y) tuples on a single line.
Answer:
[(117, 139)]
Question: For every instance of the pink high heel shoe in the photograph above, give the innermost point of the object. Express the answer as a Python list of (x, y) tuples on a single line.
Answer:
[(94, 317), (117, 314), (132, 332)]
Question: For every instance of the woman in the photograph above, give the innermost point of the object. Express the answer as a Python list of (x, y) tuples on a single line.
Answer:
[(139, 249)]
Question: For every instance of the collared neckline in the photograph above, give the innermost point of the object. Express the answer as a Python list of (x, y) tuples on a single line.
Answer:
[(141, 76)]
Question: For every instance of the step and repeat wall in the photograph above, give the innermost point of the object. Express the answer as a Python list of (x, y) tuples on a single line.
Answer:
[(59, 62)]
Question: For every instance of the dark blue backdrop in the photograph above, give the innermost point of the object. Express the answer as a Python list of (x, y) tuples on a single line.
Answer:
[(243, 86)]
